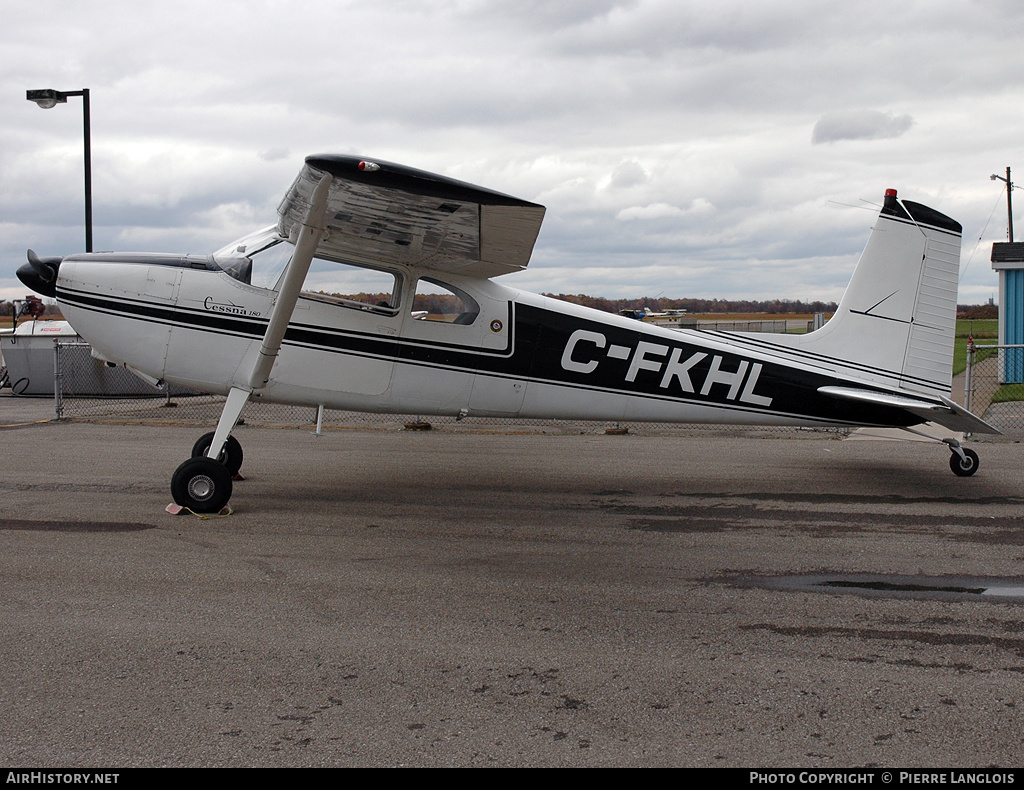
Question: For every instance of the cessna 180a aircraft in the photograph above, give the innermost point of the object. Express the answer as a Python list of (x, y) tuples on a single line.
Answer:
[(256, 321)]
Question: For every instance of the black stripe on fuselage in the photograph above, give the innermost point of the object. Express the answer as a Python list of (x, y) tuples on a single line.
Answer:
[(222, 323), (536, 351)]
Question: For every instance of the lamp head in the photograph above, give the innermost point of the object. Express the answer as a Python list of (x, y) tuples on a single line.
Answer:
[(46, 98)]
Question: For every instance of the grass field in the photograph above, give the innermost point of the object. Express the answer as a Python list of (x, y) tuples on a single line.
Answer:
[(753, 316), (985, 331), (1009, 392)]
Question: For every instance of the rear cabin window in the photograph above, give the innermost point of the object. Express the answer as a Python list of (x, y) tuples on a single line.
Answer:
[(444, 303)]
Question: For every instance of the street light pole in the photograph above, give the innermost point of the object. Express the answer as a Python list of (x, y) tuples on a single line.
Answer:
[(87, 138), (48, 98)]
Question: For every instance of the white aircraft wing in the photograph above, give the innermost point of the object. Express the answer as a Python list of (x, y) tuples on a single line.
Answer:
[(381, 213), (941, 410)]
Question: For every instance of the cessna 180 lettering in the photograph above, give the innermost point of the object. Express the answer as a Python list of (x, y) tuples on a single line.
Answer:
[(331, 307)]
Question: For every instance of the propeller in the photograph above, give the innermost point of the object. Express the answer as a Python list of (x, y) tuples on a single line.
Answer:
[(40, 274)]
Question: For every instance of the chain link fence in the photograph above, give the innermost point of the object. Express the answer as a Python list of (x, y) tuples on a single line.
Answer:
[(772, 325), (88, 389), (994, 387)]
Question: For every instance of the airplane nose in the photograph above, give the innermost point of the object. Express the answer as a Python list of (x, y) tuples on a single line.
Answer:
[(40, 274)]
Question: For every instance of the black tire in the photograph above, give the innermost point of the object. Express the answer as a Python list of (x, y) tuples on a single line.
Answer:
[(230, 457), (201, 484), (964, 467)]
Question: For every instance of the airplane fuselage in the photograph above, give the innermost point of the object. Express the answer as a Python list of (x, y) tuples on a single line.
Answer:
[(186, 321)]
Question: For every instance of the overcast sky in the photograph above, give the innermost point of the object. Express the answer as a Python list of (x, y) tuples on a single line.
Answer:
[(685, 149)]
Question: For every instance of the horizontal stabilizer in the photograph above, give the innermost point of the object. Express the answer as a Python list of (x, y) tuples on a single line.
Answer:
[(940, 409)]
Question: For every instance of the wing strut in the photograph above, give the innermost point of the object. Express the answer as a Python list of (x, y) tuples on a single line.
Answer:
[(310, 231)]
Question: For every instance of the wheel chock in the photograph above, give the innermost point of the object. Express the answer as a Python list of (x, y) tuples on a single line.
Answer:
[(178, 510)]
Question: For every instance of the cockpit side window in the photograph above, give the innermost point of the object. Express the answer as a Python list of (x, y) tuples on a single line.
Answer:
[(260, 258), (347, 285), (444, 303)]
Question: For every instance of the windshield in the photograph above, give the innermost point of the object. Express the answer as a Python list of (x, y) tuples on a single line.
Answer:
[(257, 259)]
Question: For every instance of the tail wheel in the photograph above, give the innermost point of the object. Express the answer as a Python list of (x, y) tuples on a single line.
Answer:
[(230, 457), (966, 466), (201, 484)]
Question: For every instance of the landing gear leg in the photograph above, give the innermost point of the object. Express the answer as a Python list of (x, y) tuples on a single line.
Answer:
[(201, 481)]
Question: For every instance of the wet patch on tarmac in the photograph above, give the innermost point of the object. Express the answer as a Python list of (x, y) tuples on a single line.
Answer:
[(884, 635), (73, 526), (850, 499), (958, 588), (733, 513)]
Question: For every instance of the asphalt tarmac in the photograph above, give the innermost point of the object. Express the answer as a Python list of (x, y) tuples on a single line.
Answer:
[(387, 598)]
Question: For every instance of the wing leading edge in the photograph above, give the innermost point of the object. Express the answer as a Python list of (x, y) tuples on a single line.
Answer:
[(382, 213)]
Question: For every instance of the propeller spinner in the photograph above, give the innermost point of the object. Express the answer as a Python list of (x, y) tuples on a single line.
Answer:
[(40, 274)]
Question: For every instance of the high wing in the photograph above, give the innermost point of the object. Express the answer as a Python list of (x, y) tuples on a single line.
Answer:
[(381, 213)]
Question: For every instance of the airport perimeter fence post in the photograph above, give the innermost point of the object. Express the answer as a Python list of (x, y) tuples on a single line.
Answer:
[(58, 379), (968, 378)]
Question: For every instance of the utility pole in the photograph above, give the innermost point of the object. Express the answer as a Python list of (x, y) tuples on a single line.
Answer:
[(1009, 201)]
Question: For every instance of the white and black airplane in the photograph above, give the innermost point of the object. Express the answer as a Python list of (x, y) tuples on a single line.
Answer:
[(327, 308)]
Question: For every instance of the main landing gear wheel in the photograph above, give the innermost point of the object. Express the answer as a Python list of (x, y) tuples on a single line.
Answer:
[(202, 485), (966, 466), (230, 457)]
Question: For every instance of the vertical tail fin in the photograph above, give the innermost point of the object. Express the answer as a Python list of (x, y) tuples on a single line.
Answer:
[(896, 322)]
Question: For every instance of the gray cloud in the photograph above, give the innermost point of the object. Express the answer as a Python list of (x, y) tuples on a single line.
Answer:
[(653, 111), (628, 174), (274, 154), (859, 125)]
